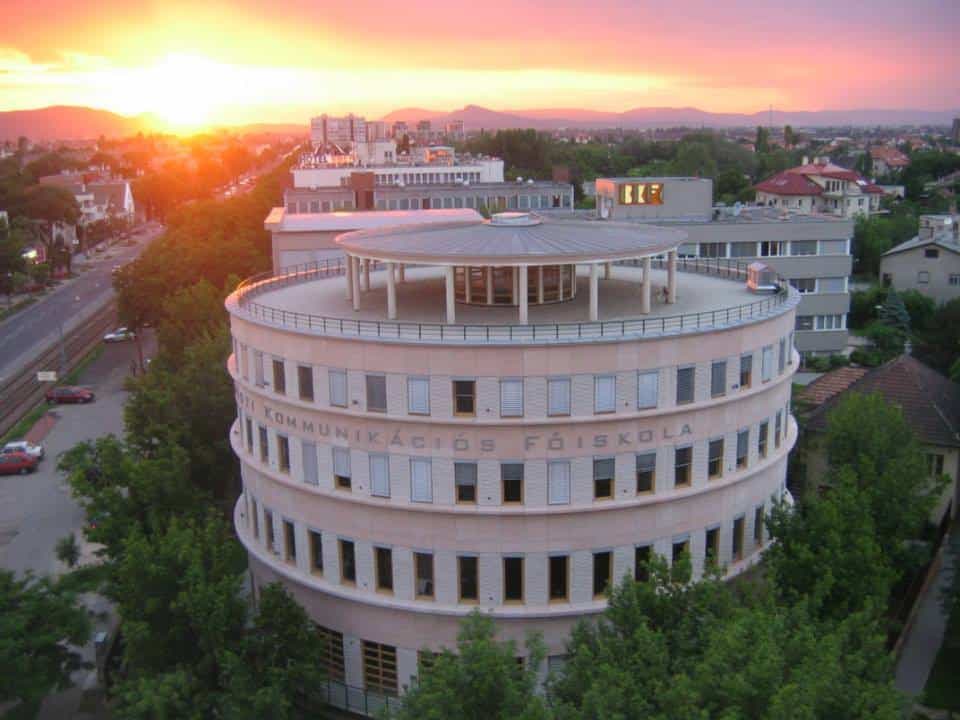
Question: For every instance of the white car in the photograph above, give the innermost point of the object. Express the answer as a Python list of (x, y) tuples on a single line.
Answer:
[(121, 334), (22, 446)]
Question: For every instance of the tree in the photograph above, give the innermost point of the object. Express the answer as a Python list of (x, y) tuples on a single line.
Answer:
[(762, 142), (482, 681), (39, 628), (67, 550), (49, 206), (237, 159), (893, 313), (789, 137), (12, 262)]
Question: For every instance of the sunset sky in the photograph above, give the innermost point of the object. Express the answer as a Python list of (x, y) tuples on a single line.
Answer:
[(197, 63)]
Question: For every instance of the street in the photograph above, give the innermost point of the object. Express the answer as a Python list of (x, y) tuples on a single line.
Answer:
[(25, 333)]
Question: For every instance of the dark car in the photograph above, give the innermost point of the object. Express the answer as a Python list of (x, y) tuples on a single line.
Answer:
[(17, 463), (69, 394)]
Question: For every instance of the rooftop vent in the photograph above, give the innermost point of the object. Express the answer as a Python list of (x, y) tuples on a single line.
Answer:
[(515, 219)]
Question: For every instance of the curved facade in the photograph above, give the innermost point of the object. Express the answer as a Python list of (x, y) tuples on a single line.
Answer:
[(394, 482)]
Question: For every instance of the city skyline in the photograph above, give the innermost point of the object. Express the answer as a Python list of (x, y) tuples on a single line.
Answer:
[(176, 62)]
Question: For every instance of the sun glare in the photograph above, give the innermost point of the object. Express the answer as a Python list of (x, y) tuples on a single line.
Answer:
[(185, 91)]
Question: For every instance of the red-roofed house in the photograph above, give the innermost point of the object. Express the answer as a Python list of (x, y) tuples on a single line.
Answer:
[(888, 160), (930, 404), (820, 187)]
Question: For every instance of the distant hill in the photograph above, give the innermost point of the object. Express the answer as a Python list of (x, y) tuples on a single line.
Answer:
[(63, 122), (475, 118)]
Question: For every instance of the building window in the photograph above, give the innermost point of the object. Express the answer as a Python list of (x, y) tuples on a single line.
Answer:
[(648, 389), (683, 458), (289, 542), (421, 481), (464, 397), (804, 285), (718, 378), (931, 252), (465, 479), (279, 378), (604, 393), (603, 478), (511, 398), (737, 553), (641, 563), (777, 428), (743, 249), (762, 439), (468, 567), (283, 453), (804, 322), (316, 552), (715, 458), (380, 668), (766, 364), (833, 285), (746, 371), (685, 385), (348, 563), (264, 444), (511, 481), (712, 546), (331, 643), (955, 279), (559, 582), (341, 468), (268, 529), (558, 396), (680, 548), (771, 248), (305, 382), (713, 250), (601, 572), (383, 558), (743, 448), (256, 518), (379, 475), (418, 396), (376, 393), (423, 575), (558, 482), (934, 464), (249, 426), (758, 526), (258, 374), (513, 580), (338, 387), (646, 472), (803, 247), (830, 322), (923, 277), (782, 357)]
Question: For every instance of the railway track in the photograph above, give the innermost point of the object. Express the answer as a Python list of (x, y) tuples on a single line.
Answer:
[(23, 391)]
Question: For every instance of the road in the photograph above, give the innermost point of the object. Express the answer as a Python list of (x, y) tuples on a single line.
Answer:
[(34, 327)]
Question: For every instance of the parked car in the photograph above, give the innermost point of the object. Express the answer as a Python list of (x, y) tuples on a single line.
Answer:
[(69, 394), (22, 446), (17, 463), (121, 334)]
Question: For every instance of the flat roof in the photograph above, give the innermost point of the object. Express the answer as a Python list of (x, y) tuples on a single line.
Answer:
[(513, 238), (279, 220)]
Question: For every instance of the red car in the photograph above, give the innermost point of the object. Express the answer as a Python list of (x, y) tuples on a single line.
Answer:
[(68, 394), (17, 463)]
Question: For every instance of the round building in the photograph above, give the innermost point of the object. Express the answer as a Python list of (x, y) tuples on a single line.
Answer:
[(508, 414)]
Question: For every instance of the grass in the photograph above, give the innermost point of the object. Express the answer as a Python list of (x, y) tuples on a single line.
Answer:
[(16, 307), (73, 377)]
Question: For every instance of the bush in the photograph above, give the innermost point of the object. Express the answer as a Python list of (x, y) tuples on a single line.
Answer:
[(867, 358), (819, 363), (839, 361)]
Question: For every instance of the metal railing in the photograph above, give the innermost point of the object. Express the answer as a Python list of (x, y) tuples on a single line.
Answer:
[(496, 334), (361, 701)]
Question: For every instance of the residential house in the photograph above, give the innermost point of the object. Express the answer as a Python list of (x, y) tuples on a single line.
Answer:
[(888, 160), (820, 187), (929, 263)]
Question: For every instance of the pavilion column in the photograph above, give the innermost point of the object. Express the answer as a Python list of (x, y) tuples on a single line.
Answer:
[(349, 277), (451, 303), (672, 277), (366, 274), (523, 295), (645, 288), (391, 293), (606, 270), (467, 290), (489, 275), (540, 284), (594, 291), (355, 274)]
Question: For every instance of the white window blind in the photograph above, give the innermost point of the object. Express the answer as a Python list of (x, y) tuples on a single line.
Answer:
[(685, 385), (338, 387), (418, 396), (648, 389), (421, 484), (766, 364), (558, 483), (718, 378), (604, 393), (311, 475), (833, 285), (341, 462), (511, 398), (379, 476), (558, 400)]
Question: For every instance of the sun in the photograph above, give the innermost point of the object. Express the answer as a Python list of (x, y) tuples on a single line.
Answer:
[(186, 91)]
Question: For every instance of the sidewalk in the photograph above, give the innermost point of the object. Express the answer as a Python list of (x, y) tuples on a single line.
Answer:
[(926, 634)]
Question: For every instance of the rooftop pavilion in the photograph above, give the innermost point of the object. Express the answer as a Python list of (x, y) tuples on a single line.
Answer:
[(515, 259), (517, 278)]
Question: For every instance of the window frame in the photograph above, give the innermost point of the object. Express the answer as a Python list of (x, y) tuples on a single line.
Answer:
[(465, 465), (379, 553), (416, 577), (714, 375), (601, 462), (715, 474), (315, 538), (688, 465), (289, 541), (551, 410), (608, 555), (302, 386), (374, 459), (370, 382), (513, 559), (692, 370), (504, 481), (743, 459), (427, 463), (461, 598), (652, 472), (283, 453), (568, 471), (279, 375), (655, 390), (565, 598), (514, 384), (456, 386), (746, 371), (342, 481), (411, 408), (342, 544), (337, 376), (599, 382)]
